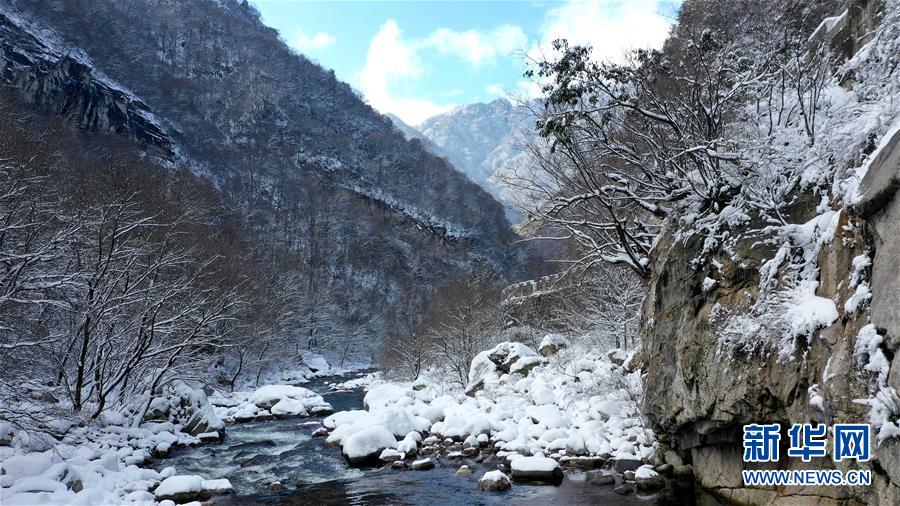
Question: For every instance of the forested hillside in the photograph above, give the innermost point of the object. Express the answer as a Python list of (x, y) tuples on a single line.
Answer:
[(342, 214)]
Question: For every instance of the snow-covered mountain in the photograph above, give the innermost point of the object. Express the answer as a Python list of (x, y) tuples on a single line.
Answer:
[(483, 140), (280, 136)]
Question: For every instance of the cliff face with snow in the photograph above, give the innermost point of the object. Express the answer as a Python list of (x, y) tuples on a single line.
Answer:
[(794, 322), (483, 140), (64, 84), (476, 137)]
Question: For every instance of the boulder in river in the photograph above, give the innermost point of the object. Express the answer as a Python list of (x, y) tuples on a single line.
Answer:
[(598, 477), (537, 469), (253, 445), (364, 447), (494, 481), (623, 465), (187, 488), (389, 455), (646, 479), (211, 437), (257, 460), (624, 489), (422, 465)]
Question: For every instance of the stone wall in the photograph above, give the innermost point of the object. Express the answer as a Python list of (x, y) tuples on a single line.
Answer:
[(540, 303)]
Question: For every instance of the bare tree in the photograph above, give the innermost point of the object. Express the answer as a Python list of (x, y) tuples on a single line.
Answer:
[(604, 308), (462, 320)]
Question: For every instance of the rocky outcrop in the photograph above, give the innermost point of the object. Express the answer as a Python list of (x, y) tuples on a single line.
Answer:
[(190, 407), (704, 378), (63, 85), (698, 393), (504, 358)]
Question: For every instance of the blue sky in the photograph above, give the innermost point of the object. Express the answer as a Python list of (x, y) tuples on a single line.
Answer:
[(420, 58)]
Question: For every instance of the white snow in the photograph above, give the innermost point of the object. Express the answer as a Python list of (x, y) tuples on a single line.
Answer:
[(220, 485), (409, 443), (383, 395), (389, 453), (267, 401), (868, 352), (645, 471), (884, 402), (557, 340), (534, 464), (178, 485), (494, 476), (544, 413), (367, 442), (811, 314)]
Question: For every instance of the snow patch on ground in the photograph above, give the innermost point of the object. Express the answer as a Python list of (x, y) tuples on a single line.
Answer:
[(570, 404), (269, 401)]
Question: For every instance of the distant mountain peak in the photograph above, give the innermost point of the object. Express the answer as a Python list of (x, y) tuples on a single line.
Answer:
[(481, 139)]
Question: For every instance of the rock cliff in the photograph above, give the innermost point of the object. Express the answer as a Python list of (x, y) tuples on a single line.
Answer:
[(706, 376)]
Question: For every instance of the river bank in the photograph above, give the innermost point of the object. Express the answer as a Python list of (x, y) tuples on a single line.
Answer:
[(255, 455)]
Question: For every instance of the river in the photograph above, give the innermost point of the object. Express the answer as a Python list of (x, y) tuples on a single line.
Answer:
[(253, 455)]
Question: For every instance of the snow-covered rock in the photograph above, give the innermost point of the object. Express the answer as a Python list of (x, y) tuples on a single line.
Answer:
[(536, 469), (390, 455), (278, 401), (551, 344), (646, 478), (598, 477), (494, 481), (464, 470), (384, 395), (190, 407), (364, 447), (422, 465), (180, 488), (542, 413), (488, 366)]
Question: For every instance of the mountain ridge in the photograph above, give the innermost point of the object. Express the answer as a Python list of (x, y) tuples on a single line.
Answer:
[(484, 140), (294, 150)]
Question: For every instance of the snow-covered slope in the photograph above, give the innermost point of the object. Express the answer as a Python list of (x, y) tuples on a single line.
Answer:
[(481, 140)]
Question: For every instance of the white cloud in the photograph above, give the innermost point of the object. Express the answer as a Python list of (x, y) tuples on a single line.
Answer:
[(528, 89), (495, 89), (319, 40), (455, 92), (477, 47), (611, 28), (391, 57)]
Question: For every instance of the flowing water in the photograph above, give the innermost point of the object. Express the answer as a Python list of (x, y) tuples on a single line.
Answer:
[(256, 454)]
